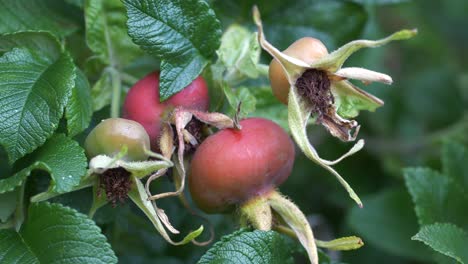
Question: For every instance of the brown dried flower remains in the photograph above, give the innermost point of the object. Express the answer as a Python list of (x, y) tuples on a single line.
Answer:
[(116, 183), (315, 86)]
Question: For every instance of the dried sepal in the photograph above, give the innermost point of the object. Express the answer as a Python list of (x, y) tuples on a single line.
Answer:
[(346, 130), (321, 89), (139, 169), (189, 138), (185, 203), (292, 66), (342, 243), (166, 145), (166, 142), (298, 115), (164, 218), (180, 117), (335, 60), (297, 221), (218, 120), (139, 196), (364, 75)]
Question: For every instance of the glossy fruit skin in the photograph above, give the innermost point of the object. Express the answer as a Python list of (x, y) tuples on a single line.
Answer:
[(232, 166), (143, 105), (109, 136), (306, 49)]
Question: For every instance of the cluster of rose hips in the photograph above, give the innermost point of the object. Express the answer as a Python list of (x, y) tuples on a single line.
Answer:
[(227, 169), (239, 167)]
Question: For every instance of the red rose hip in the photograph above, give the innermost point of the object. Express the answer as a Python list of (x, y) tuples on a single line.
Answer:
[(143, 105), (233, 166)]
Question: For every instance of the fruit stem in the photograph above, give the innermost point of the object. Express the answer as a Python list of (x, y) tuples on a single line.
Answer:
[(19, 212), (128, 79), (237, 117), (257, 212), (116, 90), (285, 230)]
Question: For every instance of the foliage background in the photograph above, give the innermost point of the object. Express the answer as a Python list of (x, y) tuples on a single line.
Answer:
[(426, 106)]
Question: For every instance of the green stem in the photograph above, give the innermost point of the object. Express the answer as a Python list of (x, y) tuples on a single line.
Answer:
[(128, 79), (116, 92), (19, 212), (44, 196), (285, 230)]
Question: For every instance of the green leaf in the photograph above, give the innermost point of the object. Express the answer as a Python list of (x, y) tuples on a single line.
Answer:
[(23, 15), (55, 234), (79, 109), (241, 94), (106, 32), (239, 55), (255, 247), (268, 106), (388, 221), (14, 250), (436, 197), (183, 33), (42, 42), (62, 157), (36, 79), (455, 163), (445, 238)]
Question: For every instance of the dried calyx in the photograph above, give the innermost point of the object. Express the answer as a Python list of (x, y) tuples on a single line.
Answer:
[(319, 88), (314, 85), (121, 179), (193, 135), (182, 130), (116, 183)]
